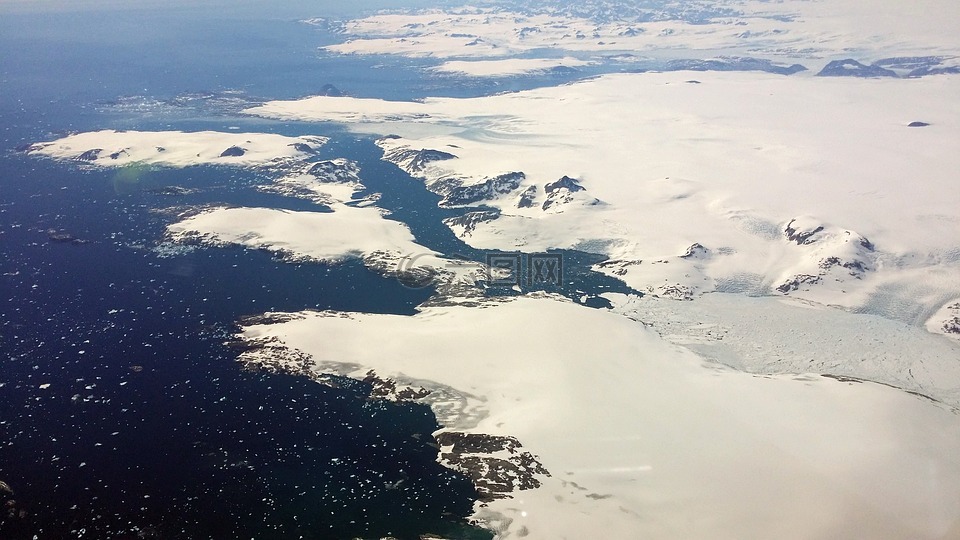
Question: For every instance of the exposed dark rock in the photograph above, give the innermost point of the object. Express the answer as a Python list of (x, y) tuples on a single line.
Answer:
[(694, 251), (919, 66), (266, 318), (561, 192), (417, 277), (26, 147), (233, 151), (527, 30), (842, 378), (856, 267), (272, 355), (64, 237), (566, 182), (116, 155), (527, 197), (617, 266), (415, 161), (925, 71), (171, 191), (797, 281), (494, 477), (851, 68), (909, 62), (334, 172), (468, 443), (917, 123), (455, 194), (330, 90), (733, 63), (952, 325), (387, 389), (563, 70), (302, 147), (90, 155), (800, 237), (674, 292), (470, 220)]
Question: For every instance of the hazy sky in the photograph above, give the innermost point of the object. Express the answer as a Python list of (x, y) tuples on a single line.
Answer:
[(283, 8)]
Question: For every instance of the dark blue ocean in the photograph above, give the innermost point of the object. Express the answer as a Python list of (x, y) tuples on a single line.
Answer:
[(149, 428)]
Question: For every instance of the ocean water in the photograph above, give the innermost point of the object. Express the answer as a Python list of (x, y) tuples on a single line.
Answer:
[(123, 414)]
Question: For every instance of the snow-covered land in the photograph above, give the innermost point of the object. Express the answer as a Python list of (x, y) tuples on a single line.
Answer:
[(110, 148), (793, 29), (749, 182), (350, 228), (595, 425), (517, 66), (813, 193)]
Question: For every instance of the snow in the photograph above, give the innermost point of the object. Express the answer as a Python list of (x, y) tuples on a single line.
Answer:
[(686, 449), (111, 148), (350, 228), (812, 30), (325, 182), (731, 415), (347, 232), (513, 66), (727, 163), (946, 320), (782, 335)]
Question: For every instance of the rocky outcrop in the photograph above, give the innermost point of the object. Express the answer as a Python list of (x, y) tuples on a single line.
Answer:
[(695, 251), (946, 321), (566, 183), (233, 151), (171, 191), (797, 281), (952, 325), (62, 237), (496, 465), (330, 90), (803, 231), (415, 161), (302, 147), (733, 63), (387, 389), (920, 66), (465, 224), (527, 198), (851, 68), (617, 267), (335, 171), (798, 235), (456, 194), (90, 155), (827, 251), (675, 291), (562, 192)]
